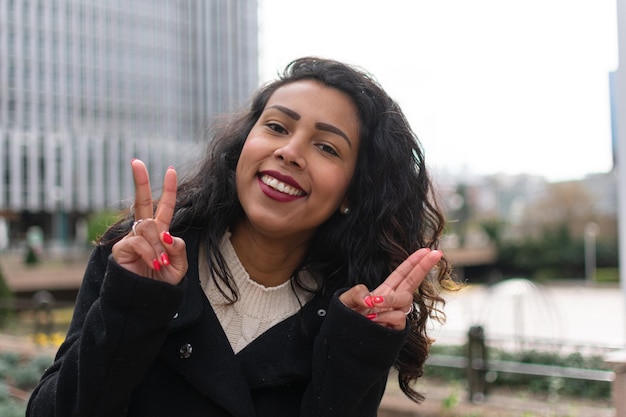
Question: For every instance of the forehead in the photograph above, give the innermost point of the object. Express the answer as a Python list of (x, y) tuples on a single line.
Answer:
[(311, 91), (311, 99)]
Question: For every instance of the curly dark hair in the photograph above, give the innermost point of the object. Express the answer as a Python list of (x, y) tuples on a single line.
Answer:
[(393, 209)]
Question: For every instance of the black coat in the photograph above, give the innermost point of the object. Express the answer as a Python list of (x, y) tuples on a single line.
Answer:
[(140, 347)]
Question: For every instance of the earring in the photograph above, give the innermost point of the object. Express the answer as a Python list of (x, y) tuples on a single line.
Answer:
[(346, 211)]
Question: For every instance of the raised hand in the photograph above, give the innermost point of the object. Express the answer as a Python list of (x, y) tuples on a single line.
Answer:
[(389, 304), (149, 250)]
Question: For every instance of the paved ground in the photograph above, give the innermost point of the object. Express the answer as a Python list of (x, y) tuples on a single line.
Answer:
[(59, 273), (450, 401)]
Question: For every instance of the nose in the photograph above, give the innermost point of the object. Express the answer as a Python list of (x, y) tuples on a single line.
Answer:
[(292, 152)]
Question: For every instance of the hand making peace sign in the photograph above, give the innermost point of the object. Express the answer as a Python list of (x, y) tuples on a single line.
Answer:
[(389, 304), (149, 250)]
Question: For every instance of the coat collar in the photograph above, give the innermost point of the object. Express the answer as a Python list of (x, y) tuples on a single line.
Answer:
[(192, 305), (198, 348), (282, 353)]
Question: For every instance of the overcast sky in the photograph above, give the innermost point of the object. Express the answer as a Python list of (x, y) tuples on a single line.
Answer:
[(489, 86)]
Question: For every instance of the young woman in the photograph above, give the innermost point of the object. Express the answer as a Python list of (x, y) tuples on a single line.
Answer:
[(285, 277)]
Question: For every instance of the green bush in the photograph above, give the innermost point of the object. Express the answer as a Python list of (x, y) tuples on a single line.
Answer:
[(31, 258), (5, 396), (12, 409), (6, 300), (551, 386), (99, 222), (26, 374), (11, 358), (607, 275), (21, 374), (25, 377)]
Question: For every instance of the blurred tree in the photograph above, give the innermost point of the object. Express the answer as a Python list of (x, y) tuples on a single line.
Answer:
[(567, 204), (459, 213), (548, 241), (494, 229)]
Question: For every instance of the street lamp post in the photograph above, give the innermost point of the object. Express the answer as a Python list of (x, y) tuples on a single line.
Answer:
[(591, 232)]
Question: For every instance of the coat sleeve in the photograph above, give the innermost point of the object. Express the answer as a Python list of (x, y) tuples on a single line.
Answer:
[(352, 358), (119, 324)]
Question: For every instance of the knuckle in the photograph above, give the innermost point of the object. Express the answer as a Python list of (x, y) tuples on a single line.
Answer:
[(167, 204), (143, 201)]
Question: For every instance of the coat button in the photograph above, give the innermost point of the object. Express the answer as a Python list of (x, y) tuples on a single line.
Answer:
[(321, 312), (185, 351)]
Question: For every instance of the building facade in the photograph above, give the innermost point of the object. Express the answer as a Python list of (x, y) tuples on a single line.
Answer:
[(86, 85)]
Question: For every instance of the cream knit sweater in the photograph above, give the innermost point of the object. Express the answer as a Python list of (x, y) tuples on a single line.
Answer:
[(258, 307)]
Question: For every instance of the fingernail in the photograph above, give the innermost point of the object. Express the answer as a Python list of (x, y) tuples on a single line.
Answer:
[(156, 265), (170, 167), (368, 301), (167, 238), (133, 160), (165, 260), (379, 299), (371, 316)]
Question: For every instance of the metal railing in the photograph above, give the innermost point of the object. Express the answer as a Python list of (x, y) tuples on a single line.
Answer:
[(478, 367)]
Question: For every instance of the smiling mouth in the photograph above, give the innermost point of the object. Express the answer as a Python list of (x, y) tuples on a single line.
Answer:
[(281, 186)]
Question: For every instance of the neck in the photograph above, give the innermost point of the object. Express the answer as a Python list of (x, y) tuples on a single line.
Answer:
[(269, 261)]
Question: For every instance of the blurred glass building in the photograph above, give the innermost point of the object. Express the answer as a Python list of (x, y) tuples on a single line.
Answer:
[(86, 85)]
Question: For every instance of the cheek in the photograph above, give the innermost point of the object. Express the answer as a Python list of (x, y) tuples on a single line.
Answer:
[(246, 157), (336, 183), (252, 150)]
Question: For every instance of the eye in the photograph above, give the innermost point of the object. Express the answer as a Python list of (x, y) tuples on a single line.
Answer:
[(276, 127), (327, 148)]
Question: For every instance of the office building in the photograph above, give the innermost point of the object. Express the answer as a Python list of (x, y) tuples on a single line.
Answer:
[(86, 85)]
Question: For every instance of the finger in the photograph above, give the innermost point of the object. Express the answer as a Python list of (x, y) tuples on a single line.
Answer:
[(167, 203), (393, 319), (174, 250), (177, 267), (417, 275), (174, 246), (403, 270), (150, 231), (129, 250), (143, 193), (397, 300), (354, 298)]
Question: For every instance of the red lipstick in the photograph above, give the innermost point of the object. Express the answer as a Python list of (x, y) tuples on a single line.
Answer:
[(283, 178), (276, 194)]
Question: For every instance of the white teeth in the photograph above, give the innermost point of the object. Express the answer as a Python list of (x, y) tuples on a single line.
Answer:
[(280, 186)]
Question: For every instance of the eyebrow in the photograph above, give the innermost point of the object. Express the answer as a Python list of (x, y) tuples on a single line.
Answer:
[(333, 129), (319, 125)]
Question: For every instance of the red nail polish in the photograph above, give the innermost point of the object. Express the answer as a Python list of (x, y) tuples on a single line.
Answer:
[(371, 316), (167, 238), (156, 265), (368, 301), (165, 260), (379, 299)]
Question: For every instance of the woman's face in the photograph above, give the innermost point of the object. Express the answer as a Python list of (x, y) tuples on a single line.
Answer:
[(298, 160)]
